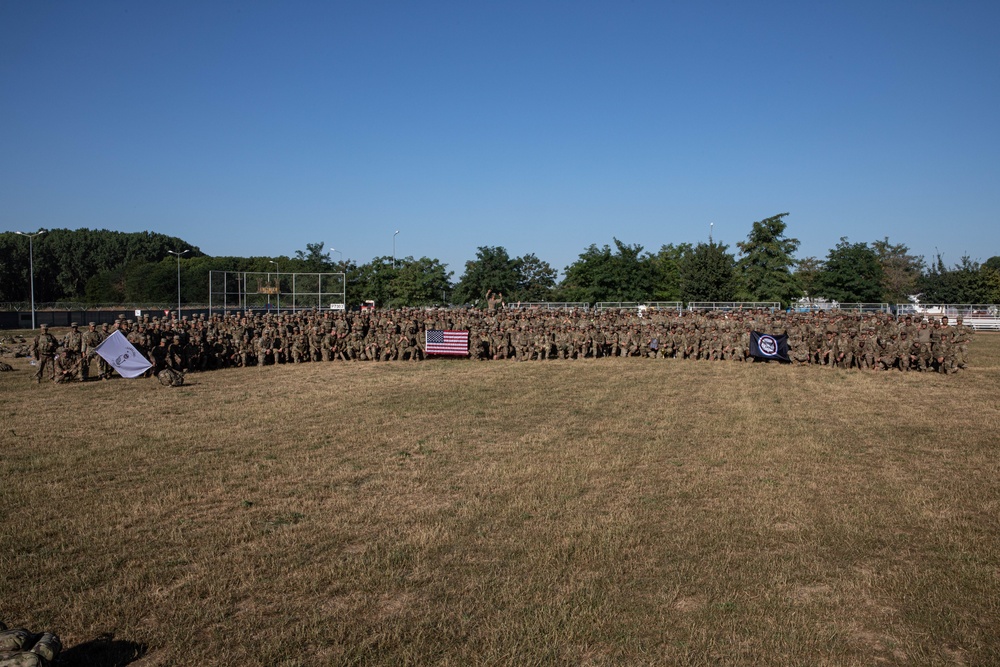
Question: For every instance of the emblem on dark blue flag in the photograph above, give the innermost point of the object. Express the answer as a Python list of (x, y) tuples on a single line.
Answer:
[(768, 346)]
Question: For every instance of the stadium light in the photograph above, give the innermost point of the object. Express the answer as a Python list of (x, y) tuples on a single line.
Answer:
[(174, 252), (394, 248), (277, 275), (31, 268)]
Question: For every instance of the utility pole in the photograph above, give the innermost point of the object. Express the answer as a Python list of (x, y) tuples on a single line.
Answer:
[(31, 268)]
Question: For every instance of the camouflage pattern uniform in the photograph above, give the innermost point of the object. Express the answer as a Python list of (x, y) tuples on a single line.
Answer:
[(21, 648), (91, 339), (44, 351)]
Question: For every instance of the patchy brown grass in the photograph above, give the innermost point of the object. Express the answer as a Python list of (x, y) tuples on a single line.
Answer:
[(603, 512)]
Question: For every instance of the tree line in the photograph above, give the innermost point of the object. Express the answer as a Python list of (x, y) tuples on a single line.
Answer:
[(106, 267)]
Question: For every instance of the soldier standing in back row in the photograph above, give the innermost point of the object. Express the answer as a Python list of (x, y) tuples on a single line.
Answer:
[(960, 340), (73, 340), (103, 367), (44, 350), (91, 339)]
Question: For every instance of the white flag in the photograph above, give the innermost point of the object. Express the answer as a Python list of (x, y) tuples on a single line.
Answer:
[(122, 355)]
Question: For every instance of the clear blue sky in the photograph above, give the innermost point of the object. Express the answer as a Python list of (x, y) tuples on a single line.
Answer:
[(253, 128)]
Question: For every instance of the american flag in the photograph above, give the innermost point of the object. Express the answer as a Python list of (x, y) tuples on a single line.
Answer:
[(447, 342)]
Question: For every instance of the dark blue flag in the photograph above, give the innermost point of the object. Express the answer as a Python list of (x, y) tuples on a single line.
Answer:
[(769, 346)]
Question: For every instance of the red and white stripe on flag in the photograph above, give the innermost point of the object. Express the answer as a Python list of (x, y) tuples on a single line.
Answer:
[(447, 342)]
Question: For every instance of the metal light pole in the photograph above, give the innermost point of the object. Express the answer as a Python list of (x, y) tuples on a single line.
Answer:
[(394, 248), (174, 252), (339, 253), (31, 268), (277, 274)]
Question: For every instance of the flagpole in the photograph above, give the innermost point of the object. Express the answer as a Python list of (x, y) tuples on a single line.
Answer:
[(31, 269)]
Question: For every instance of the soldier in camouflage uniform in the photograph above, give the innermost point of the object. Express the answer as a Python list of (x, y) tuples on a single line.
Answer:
[(828, 352), (944, 355), (44, 350), (961, 336), (798, 348), (73, 340), (923, 339), (867, 349), (316, 345), (103, 367), (264, 348), (158, 357), (67, 366), (91, 339), (176, 356), (327, 343)]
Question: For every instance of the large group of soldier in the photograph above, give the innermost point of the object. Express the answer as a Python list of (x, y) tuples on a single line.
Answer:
[(864, 341)]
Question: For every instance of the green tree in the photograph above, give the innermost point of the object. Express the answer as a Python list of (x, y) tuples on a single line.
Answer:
[(707, 273), (807, 272), (375, 280), (991, 280), (14, 274), (536, 279), (66, 260), (313, 259), (900, 270), (421, 282), (589, 278), (600, 274), (493, 269), (667, 272), (851, 274), (966, 282), (766, 261)]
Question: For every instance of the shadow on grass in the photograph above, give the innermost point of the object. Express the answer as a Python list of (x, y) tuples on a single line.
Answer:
[(103, 651)]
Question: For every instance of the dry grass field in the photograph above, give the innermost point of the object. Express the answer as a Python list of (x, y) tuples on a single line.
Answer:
[(609, 512)]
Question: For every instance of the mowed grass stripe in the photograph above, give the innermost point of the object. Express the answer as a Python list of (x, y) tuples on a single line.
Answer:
[(449, 512)]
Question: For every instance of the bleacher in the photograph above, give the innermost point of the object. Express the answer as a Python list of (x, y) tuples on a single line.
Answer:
[(981, 317), (982, 322)]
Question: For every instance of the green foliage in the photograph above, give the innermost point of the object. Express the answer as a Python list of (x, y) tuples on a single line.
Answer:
[(966, 282), (66, 261), (900, 270), (100, 266), (589, 277), (602, 275), (707, 273), (14, 278), (493, 269), (851, 274), (666, 271), (375, 280), (313, 259), (536, 279), (807, 272), (403, 282), (766, 262), (421, 282), (991, 284)]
